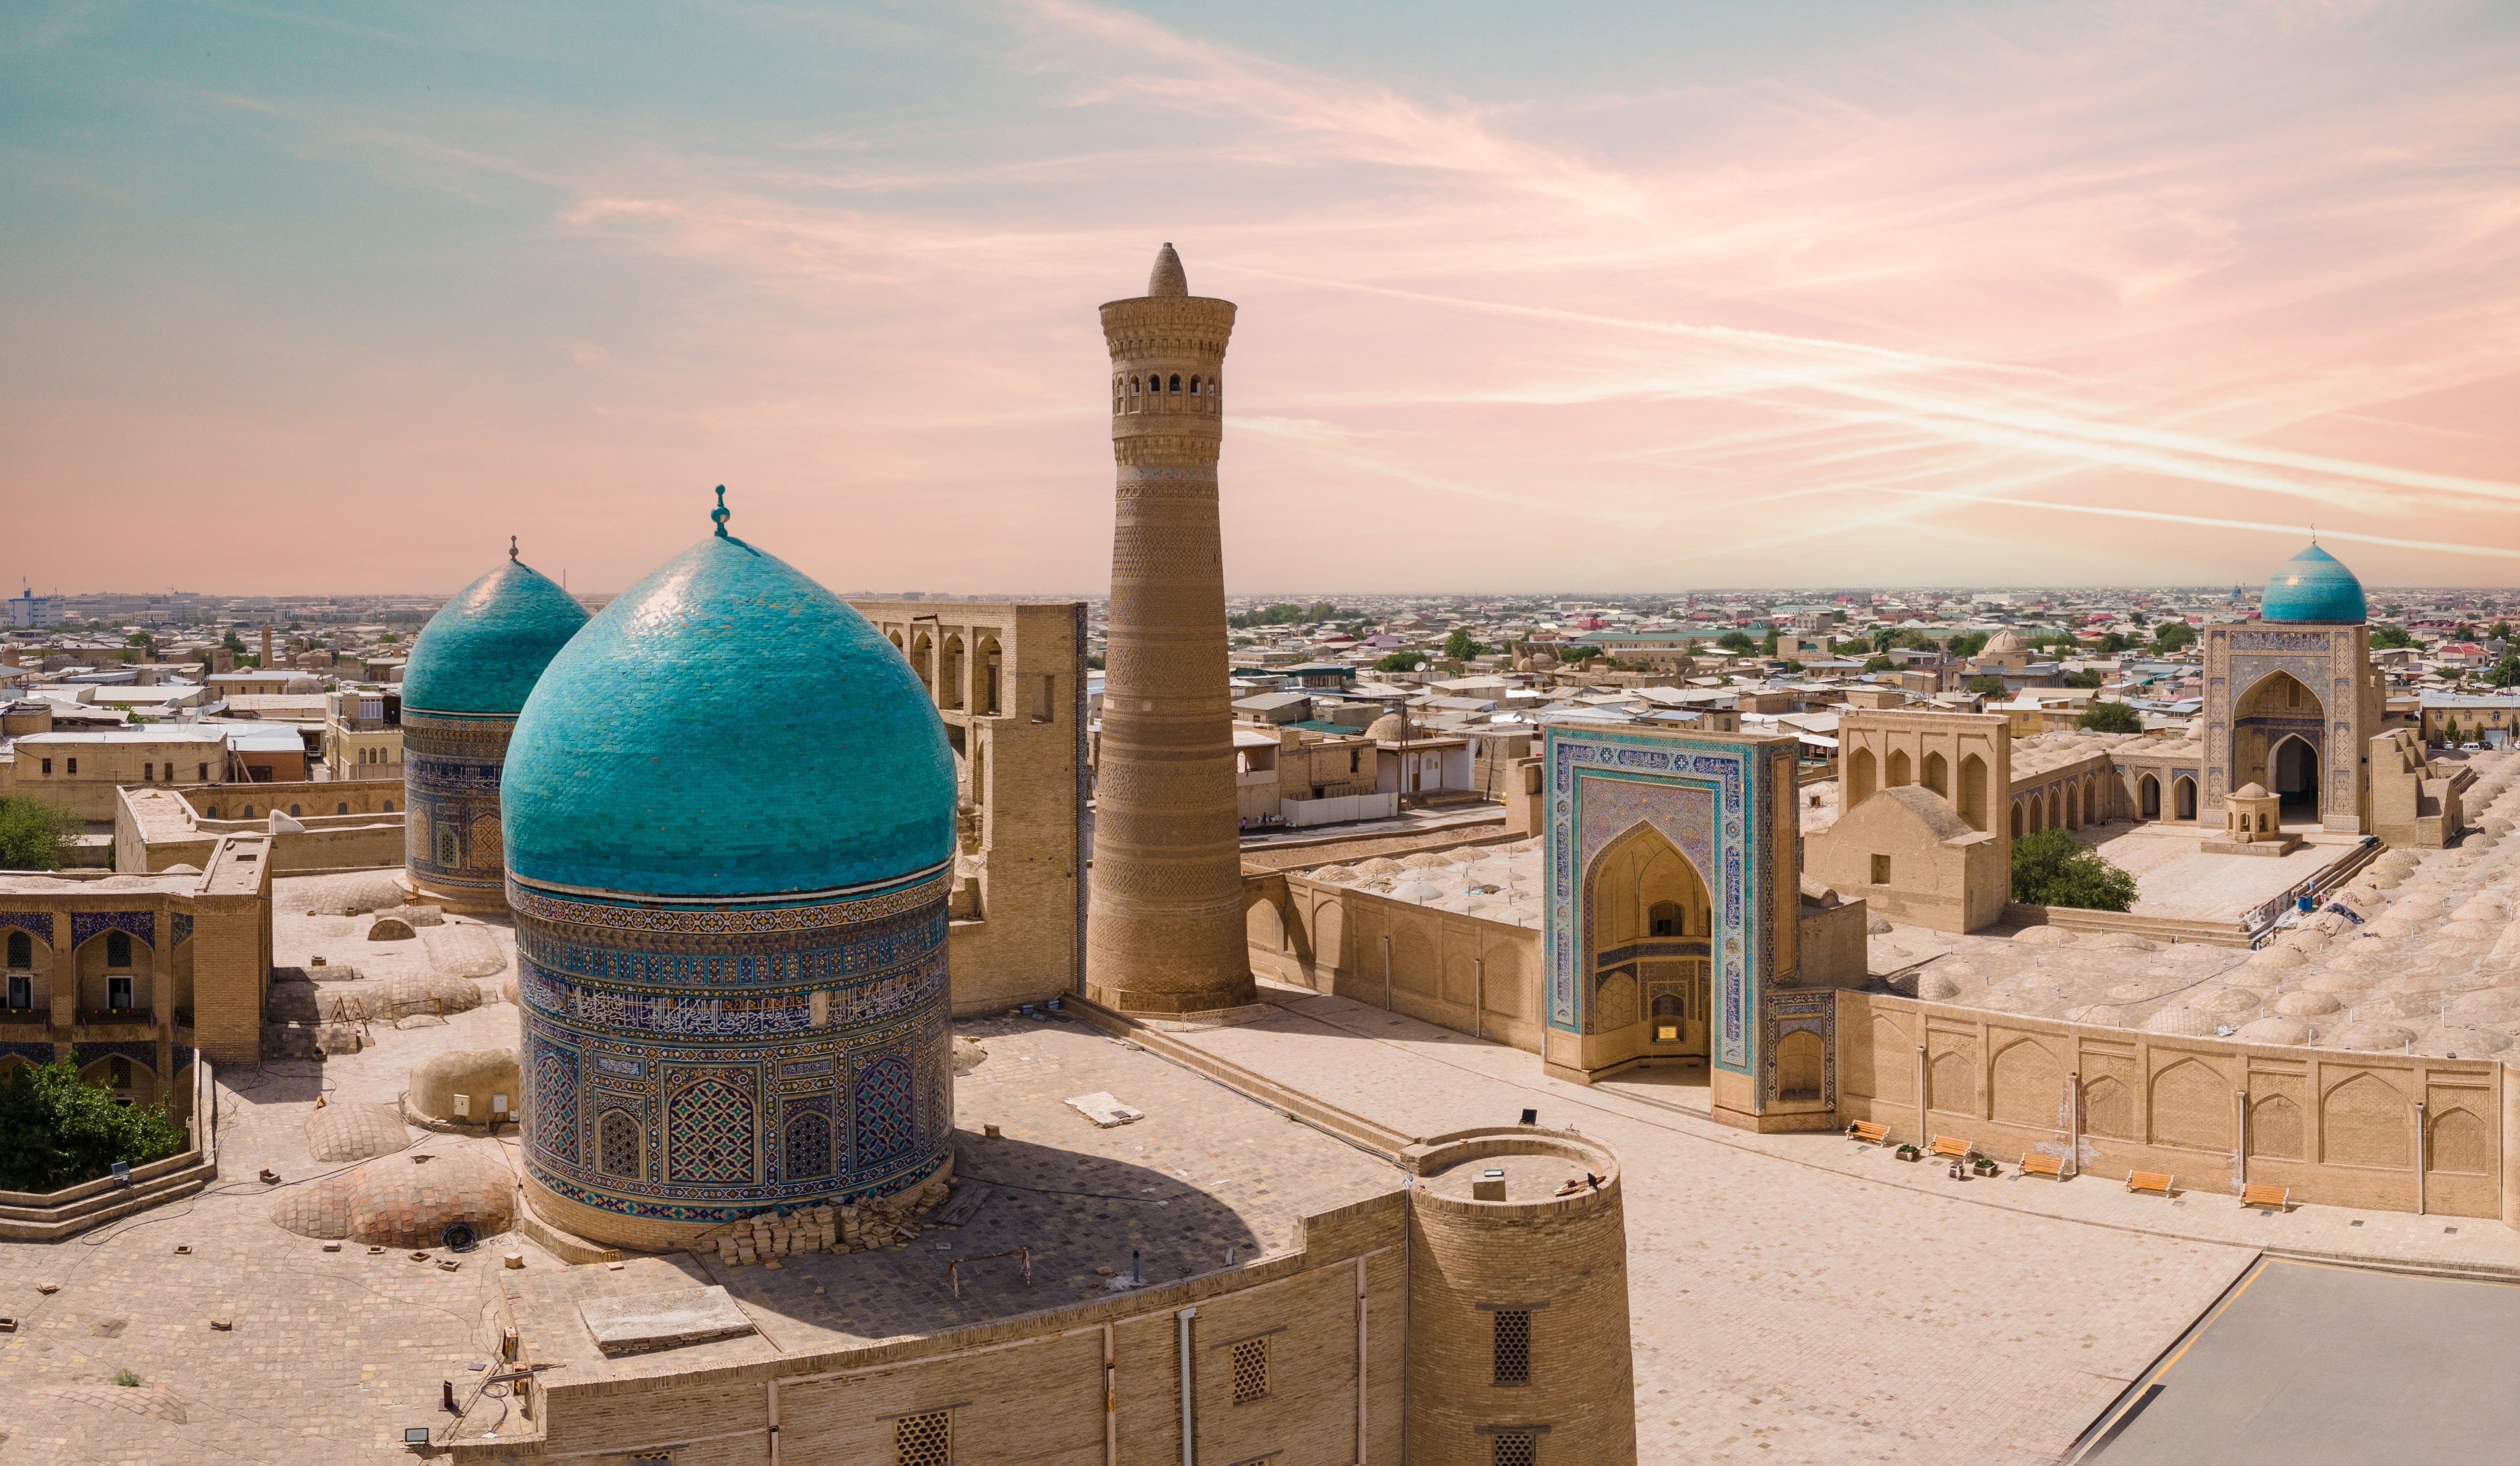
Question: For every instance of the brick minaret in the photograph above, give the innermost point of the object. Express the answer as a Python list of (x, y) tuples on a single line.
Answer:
[(1164, 933)]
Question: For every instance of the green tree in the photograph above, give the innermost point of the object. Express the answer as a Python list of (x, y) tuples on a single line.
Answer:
[(2110, 718), (56, 1131), (2387, 638), (2089, 677), (34, 836), (1578, 652), (1401, 661), (1970, 644), (2053, 868), (1322, 611), (235, 644), (1881, 665), (2505, 672), (1768, 647), (1738, 643), (1095, 661), (1856, 647), (1461, 645), (2449, 732), (1987, 686), (2116, 641), (144, 641), (2501, 631), (2171, 636)]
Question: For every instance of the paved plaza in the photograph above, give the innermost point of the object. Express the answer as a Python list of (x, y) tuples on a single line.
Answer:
[(2341, 1366)]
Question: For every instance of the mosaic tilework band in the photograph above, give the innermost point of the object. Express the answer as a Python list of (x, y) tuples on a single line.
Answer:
[(696, 1087)]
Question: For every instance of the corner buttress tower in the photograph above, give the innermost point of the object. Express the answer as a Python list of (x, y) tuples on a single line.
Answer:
[(1164, 931)]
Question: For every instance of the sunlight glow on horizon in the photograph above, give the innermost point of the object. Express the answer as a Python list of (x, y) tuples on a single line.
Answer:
[(1956, 296)]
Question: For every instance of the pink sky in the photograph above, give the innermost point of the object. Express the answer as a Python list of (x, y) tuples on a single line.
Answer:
[(1995, 296)]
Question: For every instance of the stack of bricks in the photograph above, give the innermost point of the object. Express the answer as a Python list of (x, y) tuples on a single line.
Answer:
[(889, 1222)]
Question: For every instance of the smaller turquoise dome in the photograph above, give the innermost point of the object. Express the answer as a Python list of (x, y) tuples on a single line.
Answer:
[(483, 649), (727, 726), (2312, 586)]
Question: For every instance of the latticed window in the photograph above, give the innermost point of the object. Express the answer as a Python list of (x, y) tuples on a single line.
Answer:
[(1251, 1370), (617, 1145), (809, 1146), (1513, 1348), (924, 1439), (1513, 1448)]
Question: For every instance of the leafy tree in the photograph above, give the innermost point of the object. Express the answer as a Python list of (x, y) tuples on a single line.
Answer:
[(34, 836), (235, 644), (1461, 645), (2505, 672), (2450, 732), (1970, 644), (2089, 677), (1987, 686), (2386, 638), (2053, 868), (56, 1131), (1837, 617), (1401, 661), (1095, 661), (2110, 718), (1580, 652), (2501, 631), (1855, 646), (2116, 641), (1324, 611), (1881, 665), (144, 641), (1738, 643), (1768, 647), (2171, 636)]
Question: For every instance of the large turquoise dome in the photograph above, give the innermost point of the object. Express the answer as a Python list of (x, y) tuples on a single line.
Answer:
[(2312, 586), (727, 727), (482, 650)]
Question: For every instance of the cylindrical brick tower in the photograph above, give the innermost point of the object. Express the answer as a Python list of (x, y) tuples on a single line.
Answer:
[(1164, 933), (1519, 1300)]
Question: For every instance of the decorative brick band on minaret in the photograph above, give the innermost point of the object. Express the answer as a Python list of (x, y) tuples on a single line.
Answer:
[(1164, 933)]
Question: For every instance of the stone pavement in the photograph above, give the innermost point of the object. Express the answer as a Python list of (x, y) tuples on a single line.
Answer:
[(328, 1355), (1788, 1306)]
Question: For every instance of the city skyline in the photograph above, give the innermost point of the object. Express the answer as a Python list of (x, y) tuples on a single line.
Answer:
[(1960, 297)]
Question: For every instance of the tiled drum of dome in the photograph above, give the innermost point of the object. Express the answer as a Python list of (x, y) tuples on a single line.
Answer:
[(748, 949), (471, 669)]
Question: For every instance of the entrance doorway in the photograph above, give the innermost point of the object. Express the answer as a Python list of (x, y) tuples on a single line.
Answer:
[(2295, 767), (1649, 919)]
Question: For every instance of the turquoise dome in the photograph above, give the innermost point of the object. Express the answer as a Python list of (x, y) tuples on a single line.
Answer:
[(727, 727), (2312, 586), (482, 650)]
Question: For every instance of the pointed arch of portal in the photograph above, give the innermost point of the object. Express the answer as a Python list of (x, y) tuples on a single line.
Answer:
[(1648, 924)]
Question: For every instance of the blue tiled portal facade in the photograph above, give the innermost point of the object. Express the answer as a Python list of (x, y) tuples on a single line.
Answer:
[(471, 669), (728, 831)]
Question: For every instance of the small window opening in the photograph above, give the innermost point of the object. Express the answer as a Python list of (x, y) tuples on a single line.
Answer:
[(1513, 1346), (74, 765), (1513, 1448), (924, 1439), (118, 949), (1176, 381), (1193, 386), (1251, 1370), (21, 950), (1881, 869), (118, 995), (117, 1072)]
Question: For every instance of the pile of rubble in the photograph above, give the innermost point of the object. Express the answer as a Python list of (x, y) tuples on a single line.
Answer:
[(859, 1226)]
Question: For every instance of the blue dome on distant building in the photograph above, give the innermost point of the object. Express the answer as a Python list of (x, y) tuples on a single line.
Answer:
[(727, 726), (483, 649), (2312, 586)]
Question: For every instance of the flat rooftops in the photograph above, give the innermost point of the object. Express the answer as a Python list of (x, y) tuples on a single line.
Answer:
[(1205, 1172), (191, 733)]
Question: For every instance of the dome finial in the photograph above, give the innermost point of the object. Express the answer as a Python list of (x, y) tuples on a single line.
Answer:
[(512, 548), (721, 514), (1168, 277)]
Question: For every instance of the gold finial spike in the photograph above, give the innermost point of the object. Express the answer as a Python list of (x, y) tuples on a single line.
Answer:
[(1168, 278)]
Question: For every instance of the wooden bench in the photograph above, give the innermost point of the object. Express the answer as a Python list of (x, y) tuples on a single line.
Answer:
[(2039, 1164), (2149, 1180), (2277, 1197), (1865, 1132), (1951, 1146)]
